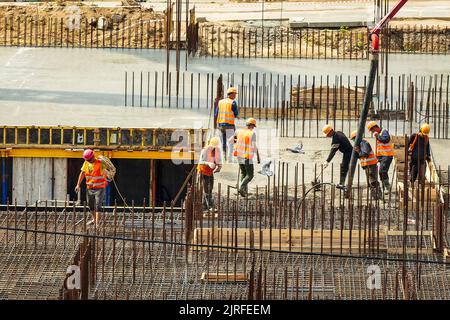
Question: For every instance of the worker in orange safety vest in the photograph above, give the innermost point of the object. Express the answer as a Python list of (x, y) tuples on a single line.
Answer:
[(226, 112), (94, 171), (368, 162), (384, 152), (245, 149)]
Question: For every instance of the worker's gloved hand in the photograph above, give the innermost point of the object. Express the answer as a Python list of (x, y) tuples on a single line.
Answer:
[(325, 164), (357, 149), (211, 165), (77, 189)]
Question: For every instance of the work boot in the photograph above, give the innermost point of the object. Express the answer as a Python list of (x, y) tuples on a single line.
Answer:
[(386, 187), (376, 193), (242, 193)]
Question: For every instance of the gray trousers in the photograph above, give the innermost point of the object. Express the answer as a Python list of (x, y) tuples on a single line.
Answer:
[(95, 199)]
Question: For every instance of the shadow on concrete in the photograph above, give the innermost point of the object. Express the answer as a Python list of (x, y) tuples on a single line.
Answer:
[(63, 97)]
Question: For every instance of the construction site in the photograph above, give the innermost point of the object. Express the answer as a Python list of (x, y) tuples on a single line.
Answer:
[(225, 150)]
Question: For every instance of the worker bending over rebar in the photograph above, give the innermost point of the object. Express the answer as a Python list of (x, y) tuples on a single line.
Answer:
[(209, 163), (95, 172), (368, 162), (339, 142)]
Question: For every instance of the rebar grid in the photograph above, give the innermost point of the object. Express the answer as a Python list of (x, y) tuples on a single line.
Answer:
[(138, 253)]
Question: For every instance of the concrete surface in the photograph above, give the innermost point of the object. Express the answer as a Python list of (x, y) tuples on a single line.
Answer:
[(316, 151), (335, 23), (56, 86), (440, 150)]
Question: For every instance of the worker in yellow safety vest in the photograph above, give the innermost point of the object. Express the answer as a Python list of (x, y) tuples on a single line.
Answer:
[(245, 149), (384, 152), (368, 162), (225, 113), (209, 164), (94, 171), (419, 153)]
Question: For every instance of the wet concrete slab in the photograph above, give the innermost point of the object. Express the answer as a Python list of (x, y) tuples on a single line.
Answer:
[(54, 86)]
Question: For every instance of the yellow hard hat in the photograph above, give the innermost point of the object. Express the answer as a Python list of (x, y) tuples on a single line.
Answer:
[(214, 142), (425, 128), (371, 124), (251, 121), (327, 129), (232, 90), (353, 135)]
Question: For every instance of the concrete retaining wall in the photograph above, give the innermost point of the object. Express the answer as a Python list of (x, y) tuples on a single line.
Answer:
[(32, 179)]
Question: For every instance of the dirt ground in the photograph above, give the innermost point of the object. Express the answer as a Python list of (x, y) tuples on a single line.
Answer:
[(65, 9), (75, 24), (237, 40)]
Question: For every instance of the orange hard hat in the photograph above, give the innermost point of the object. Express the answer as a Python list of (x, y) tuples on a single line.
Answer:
[(372, 124), (251, 121), (353, 135), (327, 129), (425, 128)]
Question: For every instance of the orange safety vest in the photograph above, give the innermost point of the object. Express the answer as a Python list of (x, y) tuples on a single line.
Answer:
[(369, 160), (243, 148), (225, 113), (210, 157), (385, 149), (95, 179)]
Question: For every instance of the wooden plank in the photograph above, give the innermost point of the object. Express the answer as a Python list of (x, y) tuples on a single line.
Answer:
[(223, 277), (412, 250), (300, 240), (408, 233)]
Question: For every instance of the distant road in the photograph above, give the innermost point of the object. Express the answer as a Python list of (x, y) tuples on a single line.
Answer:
[(223, 10), (316, 10)]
